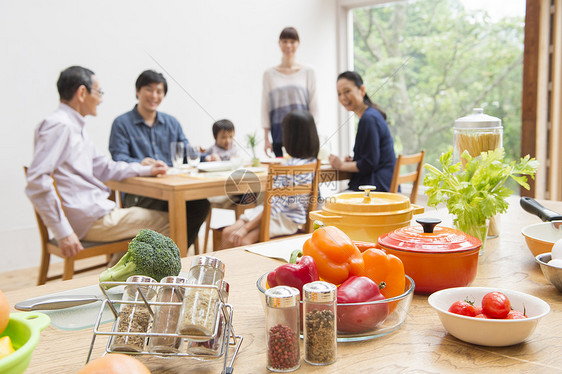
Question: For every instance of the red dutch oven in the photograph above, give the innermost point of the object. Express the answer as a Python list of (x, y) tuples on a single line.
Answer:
[(435, 257)]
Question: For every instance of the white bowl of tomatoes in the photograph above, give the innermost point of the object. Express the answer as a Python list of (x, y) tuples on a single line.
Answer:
[(501, 317)]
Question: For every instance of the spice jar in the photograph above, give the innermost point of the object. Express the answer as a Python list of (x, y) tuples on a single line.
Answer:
[(477, 133), (199, 311), (134, 315), (282, 328), (212, 347), (166, 317), (320, 332)]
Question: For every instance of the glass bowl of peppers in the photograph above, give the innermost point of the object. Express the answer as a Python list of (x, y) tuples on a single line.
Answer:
[(374, 294), (362, 320)]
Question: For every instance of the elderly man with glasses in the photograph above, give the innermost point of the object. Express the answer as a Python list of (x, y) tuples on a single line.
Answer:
[(64, 152)]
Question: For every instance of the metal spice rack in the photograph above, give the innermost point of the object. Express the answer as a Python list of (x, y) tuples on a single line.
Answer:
[(231, 340)]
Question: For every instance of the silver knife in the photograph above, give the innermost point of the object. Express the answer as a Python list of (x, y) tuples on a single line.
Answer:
[(56, 302)]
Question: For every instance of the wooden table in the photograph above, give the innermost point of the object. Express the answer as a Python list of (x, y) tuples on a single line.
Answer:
[(420, 345), (177, 189)]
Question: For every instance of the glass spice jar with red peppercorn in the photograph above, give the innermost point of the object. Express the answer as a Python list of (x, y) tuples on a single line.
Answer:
[(282, 328)]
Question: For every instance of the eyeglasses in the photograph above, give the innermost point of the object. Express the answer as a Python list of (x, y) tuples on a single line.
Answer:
[(98, 90)]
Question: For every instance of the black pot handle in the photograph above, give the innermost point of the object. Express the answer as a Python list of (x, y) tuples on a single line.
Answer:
[(534, 207), (428, 224)]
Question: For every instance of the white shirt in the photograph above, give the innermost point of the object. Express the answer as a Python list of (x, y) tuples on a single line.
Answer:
[(64, 150)]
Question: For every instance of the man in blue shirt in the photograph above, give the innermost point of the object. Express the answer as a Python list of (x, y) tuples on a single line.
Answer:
[(144, 135)]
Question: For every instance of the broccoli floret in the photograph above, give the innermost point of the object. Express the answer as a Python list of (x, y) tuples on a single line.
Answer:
[(151, 254)]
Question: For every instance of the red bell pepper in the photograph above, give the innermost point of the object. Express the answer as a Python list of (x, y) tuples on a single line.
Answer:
[(294, 274), (360, 318)]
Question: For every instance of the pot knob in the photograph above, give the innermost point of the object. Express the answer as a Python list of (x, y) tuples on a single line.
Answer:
[(367, 188), (428, 224)]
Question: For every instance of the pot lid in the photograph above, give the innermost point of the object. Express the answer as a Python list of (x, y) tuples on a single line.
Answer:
[(367, 202), (478, 120), (427, 238)]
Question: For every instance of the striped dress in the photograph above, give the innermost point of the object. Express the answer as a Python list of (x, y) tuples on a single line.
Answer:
[(294, 207), (284, 93)]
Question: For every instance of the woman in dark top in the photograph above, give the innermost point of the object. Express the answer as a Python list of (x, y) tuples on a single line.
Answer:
[(373, 154)]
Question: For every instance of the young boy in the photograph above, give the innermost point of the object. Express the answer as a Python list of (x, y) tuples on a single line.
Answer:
[(224, 147)]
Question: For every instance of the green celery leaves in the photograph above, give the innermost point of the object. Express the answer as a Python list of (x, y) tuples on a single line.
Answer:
[(476, 193)]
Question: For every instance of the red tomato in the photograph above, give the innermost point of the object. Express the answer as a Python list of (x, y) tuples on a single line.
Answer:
[(478, 310), (496, 305), (481, 315), (462, 308), (515, 314)]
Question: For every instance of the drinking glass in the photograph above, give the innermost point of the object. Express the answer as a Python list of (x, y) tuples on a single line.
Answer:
[(193, 155), (325, 148), (236, 161), (177, 153)]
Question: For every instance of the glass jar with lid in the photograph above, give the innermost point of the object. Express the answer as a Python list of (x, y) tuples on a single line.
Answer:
[(477, 133), (167, 316), (198, 316), (134, 314), (320, 332), (282, 328)]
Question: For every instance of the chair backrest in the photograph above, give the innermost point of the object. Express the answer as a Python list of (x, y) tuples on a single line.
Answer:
[(413, 177), (310, 189), (43, 231)]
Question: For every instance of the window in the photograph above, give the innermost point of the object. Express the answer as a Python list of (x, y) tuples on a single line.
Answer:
[(429, 62)]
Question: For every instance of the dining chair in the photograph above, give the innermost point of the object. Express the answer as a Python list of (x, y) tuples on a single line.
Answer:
[(310, 189), (50, 247), (412, 177), (237, 207)]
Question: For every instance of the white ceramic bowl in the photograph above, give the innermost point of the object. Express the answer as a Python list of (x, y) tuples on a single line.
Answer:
[(488, 332)]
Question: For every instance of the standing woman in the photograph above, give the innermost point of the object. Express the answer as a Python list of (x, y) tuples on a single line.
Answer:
[(373, 154), (287, 87)]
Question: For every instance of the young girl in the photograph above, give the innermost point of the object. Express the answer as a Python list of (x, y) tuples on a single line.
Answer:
[(300, 139)]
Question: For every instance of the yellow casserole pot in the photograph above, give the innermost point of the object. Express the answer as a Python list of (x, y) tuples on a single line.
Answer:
[(367, 215)]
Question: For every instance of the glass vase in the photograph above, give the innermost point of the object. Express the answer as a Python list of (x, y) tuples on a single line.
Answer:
[(478, 231)]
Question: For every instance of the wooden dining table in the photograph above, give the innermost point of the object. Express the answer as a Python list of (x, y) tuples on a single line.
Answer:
[(421, 344), (176, 189)]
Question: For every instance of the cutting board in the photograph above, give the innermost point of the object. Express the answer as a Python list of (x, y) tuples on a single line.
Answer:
[(83, 316)]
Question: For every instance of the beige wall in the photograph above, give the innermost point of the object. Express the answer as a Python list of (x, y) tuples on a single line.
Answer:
[(217, 50)]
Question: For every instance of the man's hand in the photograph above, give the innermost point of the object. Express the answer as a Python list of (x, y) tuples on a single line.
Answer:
[(213, 157), (70, 245), (148, 161), (159, 167)]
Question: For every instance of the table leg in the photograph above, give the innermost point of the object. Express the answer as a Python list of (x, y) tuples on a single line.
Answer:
[(178, 223)]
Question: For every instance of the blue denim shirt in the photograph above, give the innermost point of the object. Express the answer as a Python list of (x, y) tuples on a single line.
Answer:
[(132, 140)]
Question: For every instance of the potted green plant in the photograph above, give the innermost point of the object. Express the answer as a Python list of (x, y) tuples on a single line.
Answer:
[(252, 142), (475, 193)]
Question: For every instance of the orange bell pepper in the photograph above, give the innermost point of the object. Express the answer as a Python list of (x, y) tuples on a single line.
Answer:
[(335, 255), (386, 270), (363, 246)]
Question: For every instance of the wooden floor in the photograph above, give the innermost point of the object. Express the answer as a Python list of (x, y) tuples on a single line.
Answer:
[(24, 278)]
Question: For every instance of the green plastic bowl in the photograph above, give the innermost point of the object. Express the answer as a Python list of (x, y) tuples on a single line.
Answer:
[(23, 329)]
